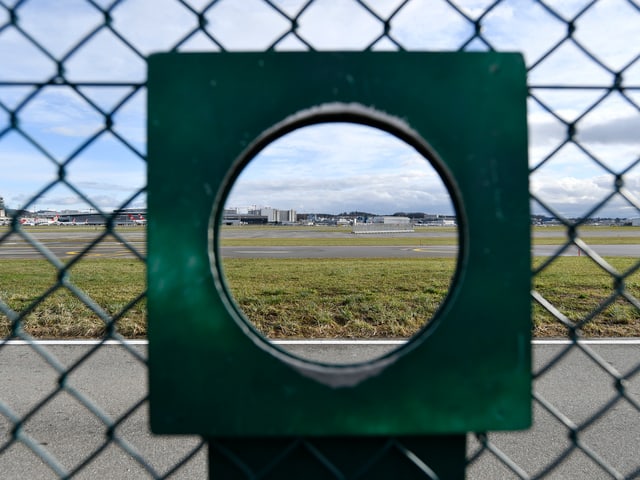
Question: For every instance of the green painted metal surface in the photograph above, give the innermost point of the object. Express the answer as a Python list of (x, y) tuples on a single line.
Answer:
[(469, 370)]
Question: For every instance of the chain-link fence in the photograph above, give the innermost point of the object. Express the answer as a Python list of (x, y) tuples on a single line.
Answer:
[(72, 94)]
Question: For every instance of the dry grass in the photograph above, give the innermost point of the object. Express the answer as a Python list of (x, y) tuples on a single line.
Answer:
[(577, 286), (111, 285), (328, 298), (321, 298)]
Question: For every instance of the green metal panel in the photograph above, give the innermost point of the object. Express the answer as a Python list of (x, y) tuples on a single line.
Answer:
[(469, 370)]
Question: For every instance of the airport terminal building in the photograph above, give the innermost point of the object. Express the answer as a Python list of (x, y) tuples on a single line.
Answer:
[(262, 216), (121, 217)]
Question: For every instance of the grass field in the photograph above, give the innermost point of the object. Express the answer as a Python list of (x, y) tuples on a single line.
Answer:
[(576, 286), (361, 298), (324, 298), (111, 283)]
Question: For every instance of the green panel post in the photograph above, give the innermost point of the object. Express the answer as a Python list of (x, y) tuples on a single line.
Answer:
[(211, 374)]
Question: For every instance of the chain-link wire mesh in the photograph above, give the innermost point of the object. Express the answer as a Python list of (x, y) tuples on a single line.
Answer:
[(76, 69)]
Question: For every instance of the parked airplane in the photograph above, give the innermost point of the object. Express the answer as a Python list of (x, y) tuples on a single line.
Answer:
[(66, 222), (35, 221), (44, 221), (138, 221)]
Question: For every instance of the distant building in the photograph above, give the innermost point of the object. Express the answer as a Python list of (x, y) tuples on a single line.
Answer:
[(635, 222), (3, 213), (287, 216), (279, 216), (384, 224), (270, 213), (391, 220), (447, 222)]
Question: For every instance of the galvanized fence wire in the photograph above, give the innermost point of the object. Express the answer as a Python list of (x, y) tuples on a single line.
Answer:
[(549, 33)]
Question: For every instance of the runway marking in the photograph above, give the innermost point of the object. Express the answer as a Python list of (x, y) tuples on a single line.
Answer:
[(257, 252), (433, 249), (599, 341), (118, 253)]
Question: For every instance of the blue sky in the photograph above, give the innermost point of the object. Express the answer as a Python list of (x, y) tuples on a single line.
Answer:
[(60, 120)]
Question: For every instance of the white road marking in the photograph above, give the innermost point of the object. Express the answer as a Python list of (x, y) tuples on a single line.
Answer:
[(599, 341), (73, 342), (257, 252), (339, 342), (592, 341)]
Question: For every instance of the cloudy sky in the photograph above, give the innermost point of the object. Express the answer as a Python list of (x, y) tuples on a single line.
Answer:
[(342, 167), (312, 170)]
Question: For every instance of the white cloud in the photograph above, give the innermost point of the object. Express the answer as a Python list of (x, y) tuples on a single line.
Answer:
[(74, 19), (330, 25), (106, 166), (23, 61), (260, 24), (106, 58), (430, 25), (522, 26), (59, 120), (569, 65), (575, 197), (330, 168), (154, 29), (608, 30)]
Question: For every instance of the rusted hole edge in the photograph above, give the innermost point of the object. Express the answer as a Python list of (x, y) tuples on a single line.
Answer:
[(335, 375)]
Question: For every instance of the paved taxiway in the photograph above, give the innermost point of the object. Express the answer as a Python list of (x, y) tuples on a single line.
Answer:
[(576, 386), (67, 243), (405, 251)]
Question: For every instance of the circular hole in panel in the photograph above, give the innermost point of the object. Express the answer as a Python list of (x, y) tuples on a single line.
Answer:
[(337, 241)]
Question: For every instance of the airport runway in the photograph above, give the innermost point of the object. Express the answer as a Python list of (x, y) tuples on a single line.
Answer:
[(114, 380), (576, 386), (405, 251), (68, 243)]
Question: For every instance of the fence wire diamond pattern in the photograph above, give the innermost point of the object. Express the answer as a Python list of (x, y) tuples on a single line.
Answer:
[(77, 69)]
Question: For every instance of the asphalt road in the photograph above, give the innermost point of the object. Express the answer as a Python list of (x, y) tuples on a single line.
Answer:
[(114, 380), (405, 252), (66, 243)]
